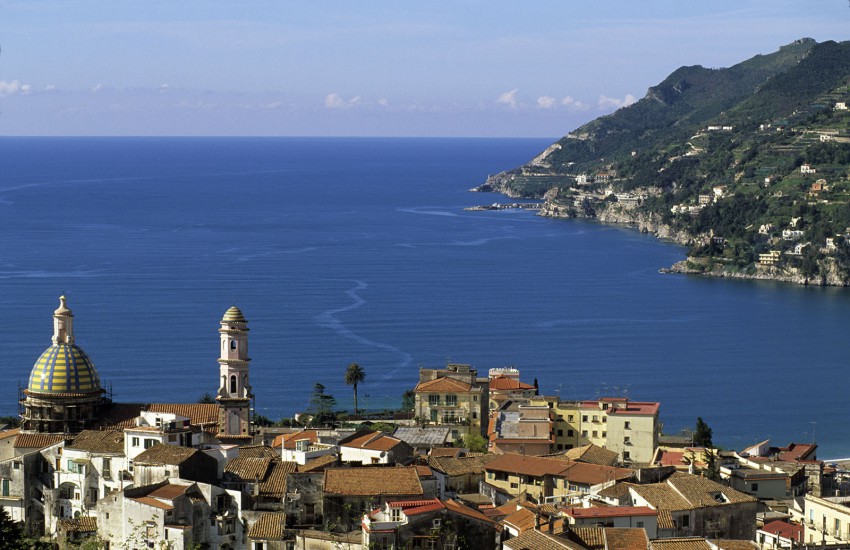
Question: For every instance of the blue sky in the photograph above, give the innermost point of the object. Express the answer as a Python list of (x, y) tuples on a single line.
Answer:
[(366, 68)]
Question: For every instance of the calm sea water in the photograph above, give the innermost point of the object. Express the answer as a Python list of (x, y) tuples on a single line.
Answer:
[(341, 250)]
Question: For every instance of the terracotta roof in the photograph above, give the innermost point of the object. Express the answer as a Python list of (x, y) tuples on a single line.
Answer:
[(662, 497), (593, 454), (274, 485), (416, 507), (9, 433), (617, 491), (443, 384), (460, 466), (578, 472), (692, 543), (797, 451), (197, 413), (424, 471), (319, 463), (732, 544), (503, 383), (153, 502), (665, 520), (591, 538), (522, 520), (609, 511), (257, 451), (99, 441), (626, 538), (462, 509), (37, 441), (784, 529), (269, 526), (701, 491), (371, 481), (165, 454), (440, 452), (169, 491), (535, 540), (373, 441), (248, 468), (82, 524), (527, 465), (288, 440)]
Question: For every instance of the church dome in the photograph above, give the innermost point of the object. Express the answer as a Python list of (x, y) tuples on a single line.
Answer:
[(64, 368), (233, 315)]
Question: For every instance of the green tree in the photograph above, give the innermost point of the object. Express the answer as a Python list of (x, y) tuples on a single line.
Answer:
[(322, 404), (354, 375), (702, 434), (10, 532), (207, 398), (475, 443), (408, 399)]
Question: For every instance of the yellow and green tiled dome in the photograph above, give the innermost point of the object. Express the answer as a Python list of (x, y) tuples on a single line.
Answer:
[(64, 368), (233, 315)]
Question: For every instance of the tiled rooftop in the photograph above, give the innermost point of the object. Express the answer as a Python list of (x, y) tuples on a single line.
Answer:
[(370, 481), (165, 454), (443, 385), (99, 441), (269, 526)]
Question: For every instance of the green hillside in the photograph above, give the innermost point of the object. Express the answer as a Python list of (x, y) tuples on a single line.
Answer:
[(716, 157)]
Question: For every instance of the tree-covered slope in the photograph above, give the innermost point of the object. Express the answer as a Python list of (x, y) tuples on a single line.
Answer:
[(729, 160)]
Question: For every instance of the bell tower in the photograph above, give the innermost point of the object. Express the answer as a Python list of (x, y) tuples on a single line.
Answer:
[(234, 393)]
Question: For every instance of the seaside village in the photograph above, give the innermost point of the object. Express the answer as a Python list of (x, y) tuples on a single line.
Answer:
[(82, 471)]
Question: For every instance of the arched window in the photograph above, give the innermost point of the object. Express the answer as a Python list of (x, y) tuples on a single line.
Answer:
[(233, 383), (233, 344)]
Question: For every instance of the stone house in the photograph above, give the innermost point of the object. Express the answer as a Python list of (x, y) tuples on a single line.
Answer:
[(456, 476), (260, 479), (350, 492), (160, 462), (691, 506)]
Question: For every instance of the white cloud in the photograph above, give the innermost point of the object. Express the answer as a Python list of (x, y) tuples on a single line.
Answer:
[(383, 102), (573, 103), (163, 88), (335, 101), (546, 102), (508, 98), (13, 87), (96, 88), (50, 87), (606, 102)]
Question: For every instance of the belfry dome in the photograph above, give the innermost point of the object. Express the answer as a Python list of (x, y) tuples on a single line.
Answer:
[(234, 315)]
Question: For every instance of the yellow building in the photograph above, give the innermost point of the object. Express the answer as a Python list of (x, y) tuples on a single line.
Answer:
[(629, 428), (452, 397)]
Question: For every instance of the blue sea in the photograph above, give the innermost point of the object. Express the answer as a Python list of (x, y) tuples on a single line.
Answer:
[(359, 250)]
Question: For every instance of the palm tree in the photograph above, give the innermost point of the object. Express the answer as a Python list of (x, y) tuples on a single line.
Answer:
[(354, 375)]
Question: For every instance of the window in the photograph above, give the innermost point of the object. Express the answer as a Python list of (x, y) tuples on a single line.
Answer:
[(433, 400), (451, 400), (604, 406), (570, 417), (233, 383), (107, 468), (754, 486), (395, 514), (475, 398), (514, 486), (626, 455), (135, 442), (259, 546), (584, 418), (595, 433), (474, 415), (627, 426), (5, 487), (560, 433), (604, 434), (627, 440), (686, 521), (604, 419), (584, 433), (570, 433), (17, 465), (233, 344), (595, 418), (149, 443), (639, 525)]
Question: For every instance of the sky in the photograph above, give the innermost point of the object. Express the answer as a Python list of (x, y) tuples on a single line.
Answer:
[(489, 68)]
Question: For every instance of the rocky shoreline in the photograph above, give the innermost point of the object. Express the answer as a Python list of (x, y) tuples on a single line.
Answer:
[(644, 222)]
